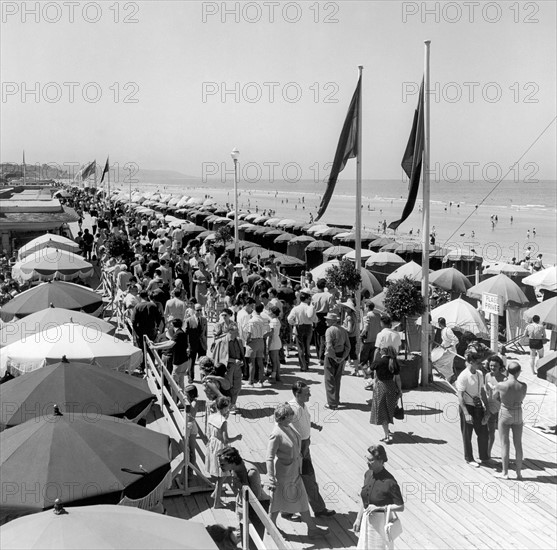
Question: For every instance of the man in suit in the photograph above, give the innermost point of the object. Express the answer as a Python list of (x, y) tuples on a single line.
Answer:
[(197, 329)]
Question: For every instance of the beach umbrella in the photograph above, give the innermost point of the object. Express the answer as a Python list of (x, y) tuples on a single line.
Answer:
[(510, 270), (241, 245), (390, 247), (336, 252), (381, 241), (261, 219), (545, 279), (385, 258), (547, 312), (272, 222), (329, 232), (411, 248), (303, 239), (284, 238), (251, 216), (379, 301), (315, 228), (75, 388), (47, 318), (365, 255), (287, 260), (80, 459), (165, 198), (48, 240), (502, 286), (77, 343), (412, 270), (183, 201), (450, 279), (254, 251), (285, 222), (55, 293), (547, 367), (194, 201), (173, 201), (104, 527), (297, 246), (368, 281), (458, 255), (319, 245), (191, 229), (246, 225), (461, 315), (350, 236)]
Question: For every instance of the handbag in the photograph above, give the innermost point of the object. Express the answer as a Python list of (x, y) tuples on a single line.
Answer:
[(399, 411), (393, 525)]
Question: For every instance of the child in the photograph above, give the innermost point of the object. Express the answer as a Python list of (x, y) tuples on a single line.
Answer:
[(217, 434), (191, 425)]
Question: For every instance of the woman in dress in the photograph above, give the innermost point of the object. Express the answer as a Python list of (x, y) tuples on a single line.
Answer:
[(380, 490), (495, 375), (386, 391), (202, 279), (284, 470)]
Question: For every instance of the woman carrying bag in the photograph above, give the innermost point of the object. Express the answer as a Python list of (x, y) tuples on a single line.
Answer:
[(386, 391), (377, 523)]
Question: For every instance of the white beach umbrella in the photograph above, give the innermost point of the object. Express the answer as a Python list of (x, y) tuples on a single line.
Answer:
[(460, 314), (49, 263), (77, 342), (508, 269), (194, 200), (369, 282), (48, 240), (183, 201), (411, 270), (546, 279), (365, 254)]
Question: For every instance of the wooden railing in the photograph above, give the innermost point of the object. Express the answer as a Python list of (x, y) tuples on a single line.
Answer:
[(173, 406), (250, 502)]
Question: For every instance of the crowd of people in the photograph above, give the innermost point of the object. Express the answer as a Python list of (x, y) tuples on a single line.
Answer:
[(171, 288)]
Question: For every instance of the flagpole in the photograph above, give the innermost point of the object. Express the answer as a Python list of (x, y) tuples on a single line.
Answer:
[(95, 175), (358, 232), (108, 178), (24, 167), (425, 223)]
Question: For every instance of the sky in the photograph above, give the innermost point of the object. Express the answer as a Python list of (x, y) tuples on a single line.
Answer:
[(177, 85)]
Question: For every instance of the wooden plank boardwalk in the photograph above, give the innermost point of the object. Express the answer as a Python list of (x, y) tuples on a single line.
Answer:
[(448, 503)]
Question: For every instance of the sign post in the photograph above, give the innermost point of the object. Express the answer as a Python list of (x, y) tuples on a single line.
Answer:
[(493, 304)]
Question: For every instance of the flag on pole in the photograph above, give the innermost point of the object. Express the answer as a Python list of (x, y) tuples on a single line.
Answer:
[(347, 148), (88, 170), (105, 169), (412, 159)]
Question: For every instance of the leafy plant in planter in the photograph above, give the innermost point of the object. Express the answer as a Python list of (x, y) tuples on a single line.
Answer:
[(403, 299), (344, 276), (223, 235), (118, 247)]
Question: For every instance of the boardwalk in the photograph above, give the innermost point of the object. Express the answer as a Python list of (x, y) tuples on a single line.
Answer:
[(448, 503)]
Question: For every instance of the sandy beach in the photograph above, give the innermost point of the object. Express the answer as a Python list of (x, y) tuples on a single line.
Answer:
[(461, 227)]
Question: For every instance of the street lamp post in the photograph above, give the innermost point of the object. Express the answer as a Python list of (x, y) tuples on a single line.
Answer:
[(235, 155)]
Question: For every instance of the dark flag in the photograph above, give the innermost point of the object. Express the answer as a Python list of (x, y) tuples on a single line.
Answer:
[(105, 170), (412, 159), (88, 170), (347, 148)]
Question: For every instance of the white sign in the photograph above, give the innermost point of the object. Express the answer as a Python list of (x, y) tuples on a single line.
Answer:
[(492, 303)]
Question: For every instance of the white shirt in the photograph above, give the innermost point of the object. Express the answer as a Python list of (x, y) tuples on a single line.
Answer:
[(470, 385), (242, 320), (302, 419), (449, 339), (388, 338)]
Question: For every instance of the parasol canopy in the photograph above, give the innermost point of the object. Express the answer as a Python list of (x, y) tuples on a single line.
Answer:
[(502, 286), (48, 240), (450, 279), (547, 312), (104, 527), (50, 262), (77, 343), (369, 282), (411, 270), (385, 258), (508, 269), (48, 318), (81, 459), (55, 293), (75, 388), (461, 315), (319, 245), (546, 279), (365, 255), (336, 252)]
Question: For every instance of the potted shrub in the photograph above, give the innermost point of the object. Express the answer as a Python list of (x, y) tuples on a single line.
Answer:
[(404, 302), (345, 277)]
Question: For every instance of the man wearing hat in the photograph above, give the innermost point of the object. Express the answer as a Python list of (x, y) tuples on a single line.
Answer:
[(337, 350), (302, 318)]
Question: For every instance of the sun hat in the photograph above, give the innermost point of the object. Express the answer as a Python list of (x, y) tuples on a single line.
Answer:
[(332, 317)]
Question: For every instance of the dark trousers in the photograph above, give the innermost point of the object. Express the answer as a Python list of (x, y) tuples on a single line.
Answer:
[(320, 329), (333, 377), (195, 354), (308, 477), (481, 433), (303, 341)]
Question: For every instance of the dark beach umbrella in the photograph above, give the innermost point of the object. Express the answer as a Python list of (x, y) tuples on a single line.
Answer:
[(547, 367), (450, 279), (390, 247), (366, 238), (241, 245), (314, 253), (75, 388), (379, 242), (193, 229), (254, 251), (268, 238), (502, 286), (297, 246), (79, 461), (280, 243), (331, 232), (56, 293)]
